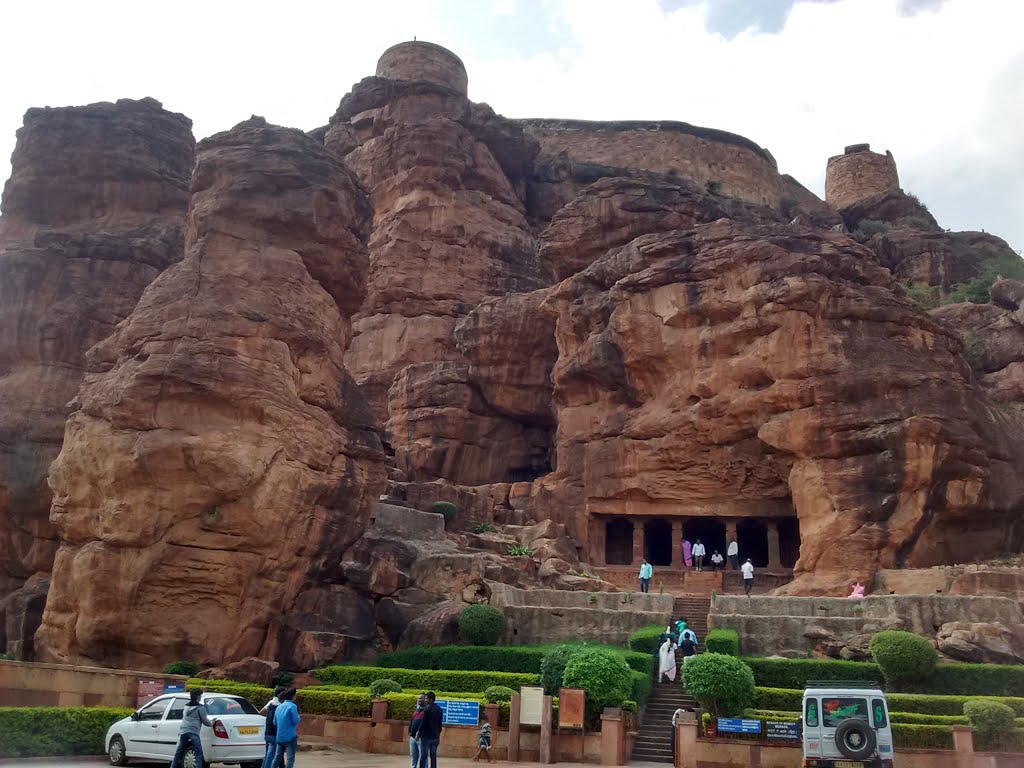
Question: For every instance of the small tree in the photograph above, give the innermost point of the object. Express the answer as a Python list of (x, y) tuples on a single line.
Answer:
[(481, 624), (379, 687), (903, 657), (445, 509), (181, 668), (604, 676), (496, 694), (990, 716), (724, 685), (552, 667)]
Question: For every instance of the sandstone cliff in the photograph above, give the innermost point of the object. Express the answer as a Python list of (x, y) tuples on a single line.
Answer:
[(219, 458), (93, 212)]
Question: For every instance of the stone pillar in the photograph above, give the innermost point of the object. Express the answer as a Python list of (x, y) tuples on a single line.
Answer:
[(686, 744), (513, 729), (598, 531), (613, 737), (774, 553), (677, 544), (963, 740), (379, 710), (545, 732), (492, 713), (638, 541)]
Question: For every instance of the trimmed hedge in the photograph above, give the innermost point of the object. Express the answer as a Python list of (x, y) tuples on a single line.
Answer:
[(46, 731), (602, 675), (481, 624), (1000, 742), (989, 716), (724, 641), (503, 658), (257, 694), (646, 640), (316, 701), (905, 736), (422, 679), (946, 679), (791, 699), (905, 658), (641, 687)]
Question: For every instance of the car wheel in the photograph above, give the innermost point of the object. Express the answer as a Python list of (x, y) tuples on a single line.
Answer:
[(855, 739), (116, 752), (188, 760)]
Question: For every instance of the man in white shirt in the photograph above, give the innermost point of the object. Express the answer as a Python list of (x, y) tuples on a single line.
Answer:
[(678, 715), (698, 554), (748, 576), (717, 561), (733, 551)]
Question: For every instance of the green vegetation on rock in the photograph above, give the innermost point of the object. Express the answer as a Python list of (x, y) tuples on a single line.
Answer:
[(446, 509), (481, 624)]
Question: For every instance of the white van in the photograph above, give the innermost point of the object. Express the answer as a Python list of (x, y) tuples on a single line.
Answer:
[(846, 725)]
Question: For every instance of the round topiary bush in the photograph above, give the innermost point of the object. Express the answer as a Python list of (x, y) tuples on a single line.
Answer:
[(181, 668), (989, 716), (903, 657), (552, 667), (724, 685), (446, 509), (604, 676), (481, 624), (379, 687), (496, 694)]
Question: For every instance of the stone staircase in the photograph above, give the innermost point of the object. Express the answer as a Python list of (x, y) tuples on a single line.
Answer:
[(654, 740), (695, 609)]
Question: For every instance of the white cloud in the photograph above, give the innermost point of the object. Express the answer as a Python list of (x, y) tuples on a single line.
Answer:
[(940, 88)]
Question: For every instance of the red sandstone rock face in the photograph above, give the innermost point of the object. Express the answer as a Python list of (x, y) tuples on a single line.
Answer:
[(93, 212), (448, 227), (219, 458), (733, 367), (936, 258)]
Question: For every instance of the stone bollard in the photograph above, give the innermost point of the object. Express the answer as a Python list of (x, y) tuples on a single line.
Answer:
[(686, 744), (613, 737), (378, 711)]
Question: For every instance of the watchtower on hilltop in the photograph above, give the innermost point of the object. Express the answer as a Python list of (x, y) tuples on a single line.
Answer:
[(859, 174), (417, 60)]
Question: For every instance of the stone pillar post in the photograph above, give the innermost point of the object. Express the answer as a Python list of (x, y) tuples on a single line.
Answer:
[(545, 732), (378, 710), (598, 531), (513, 729), (774, 553), (963, 739), (613, 737), (686, 744), (638, 541), (677, 544), (492, 713)]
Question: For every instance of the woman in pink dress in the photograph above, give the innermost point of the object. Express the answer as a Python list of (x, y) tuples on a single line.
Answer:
[(687, 553)]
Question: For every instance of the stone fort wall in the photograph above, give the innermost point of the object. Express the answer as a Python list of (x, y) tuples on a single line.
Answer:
[(424, 61), (859, 174)]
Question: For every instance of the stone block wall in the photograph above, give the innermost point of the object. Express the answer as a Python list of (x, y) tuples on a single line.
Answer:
[(417, 60), (25, 684), (859, 174)]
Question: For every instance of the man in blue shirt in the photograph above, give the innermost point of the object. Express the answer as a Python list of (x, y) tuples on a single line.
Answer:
[(286, 718), (646, 572), (429, 735)]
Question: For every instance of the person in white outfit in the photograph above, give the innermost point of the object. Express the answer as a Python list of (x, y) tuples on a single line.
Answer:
[(748, 576), (733, 553), (698, 554)]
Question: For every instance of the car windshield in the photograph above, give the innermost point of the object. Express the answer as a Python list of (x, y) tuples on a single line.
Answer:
[(835, 710), (224, 705)]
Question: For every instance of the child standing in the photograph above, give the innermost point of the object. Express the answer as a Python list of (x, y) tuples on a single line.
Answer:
[(484, 742)]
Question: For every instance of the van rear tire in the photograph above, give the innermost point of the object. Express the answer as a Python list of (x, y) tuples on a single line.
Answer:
[(855, 739)]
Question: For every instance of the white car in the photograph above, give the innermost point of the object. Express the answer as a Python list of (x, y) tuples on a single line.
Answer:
[(846, 725), (151, 733)]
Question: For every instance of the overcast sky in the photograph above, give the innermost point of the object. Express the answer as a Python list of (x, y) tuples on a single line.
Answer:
[(938, 82)]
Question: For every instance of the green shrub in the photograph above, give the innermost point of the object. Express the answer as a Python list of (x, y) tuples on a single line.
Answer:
[(497, 694), (646, 640), (1000, 742), (976, 290), (552, 668), (445, 509), (483, 528), (481, 624), (282, 679), (314, 701), (723, 685), (778, 699), (519, 550), (187, 668), (257, 694), (914, 718), (641, 687), (903, 657), (604, 676), (794, 673), (925, 295), (505, 658), (713, 186), (383, 685), (906, 736), (725, 641), (424, 679), (869, 227), (48, 731), (989, 716)]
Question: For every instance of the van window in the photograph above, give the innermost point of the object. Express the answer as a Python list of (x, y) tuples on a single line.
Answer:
[(811, 715), (878, 713), (835, 711)]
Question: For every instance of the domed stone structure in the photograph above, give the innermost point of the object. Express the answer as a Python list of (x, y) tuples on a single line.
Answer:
[(418, 60)]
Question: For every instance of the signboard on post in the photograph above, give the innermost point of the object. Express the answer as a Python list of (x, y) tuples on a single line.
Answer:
[(458, 712), (781, 731), (531, 704), (170, 686), (148, 690), (571, 704), (738, 725)]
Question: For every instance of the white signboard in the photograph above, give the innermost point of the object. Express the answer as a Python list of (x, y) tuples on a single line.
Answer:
[(531, 704)]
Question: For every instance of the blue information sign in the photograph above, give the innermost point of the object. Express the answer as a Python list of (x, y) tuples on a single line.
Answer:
[(170, 687), (458, 712), (783, 731), (738, 725)]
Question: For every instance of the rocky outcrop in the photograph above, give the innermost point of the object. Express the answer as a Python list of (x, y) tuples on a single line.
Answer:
[(734, 366), (219, 458), (893, 207), (982, 642), (940, 259), (93, 212), (448, 229)]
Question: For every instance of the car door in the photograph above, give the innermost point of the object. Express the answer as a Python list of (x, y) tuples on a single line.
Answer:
[(141, 737), (167, 730)]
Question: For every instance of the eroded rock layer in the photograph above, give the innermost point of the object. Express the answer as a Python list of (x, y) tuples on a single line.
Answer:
[(93, 212), (219, 458), (733, 367)]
